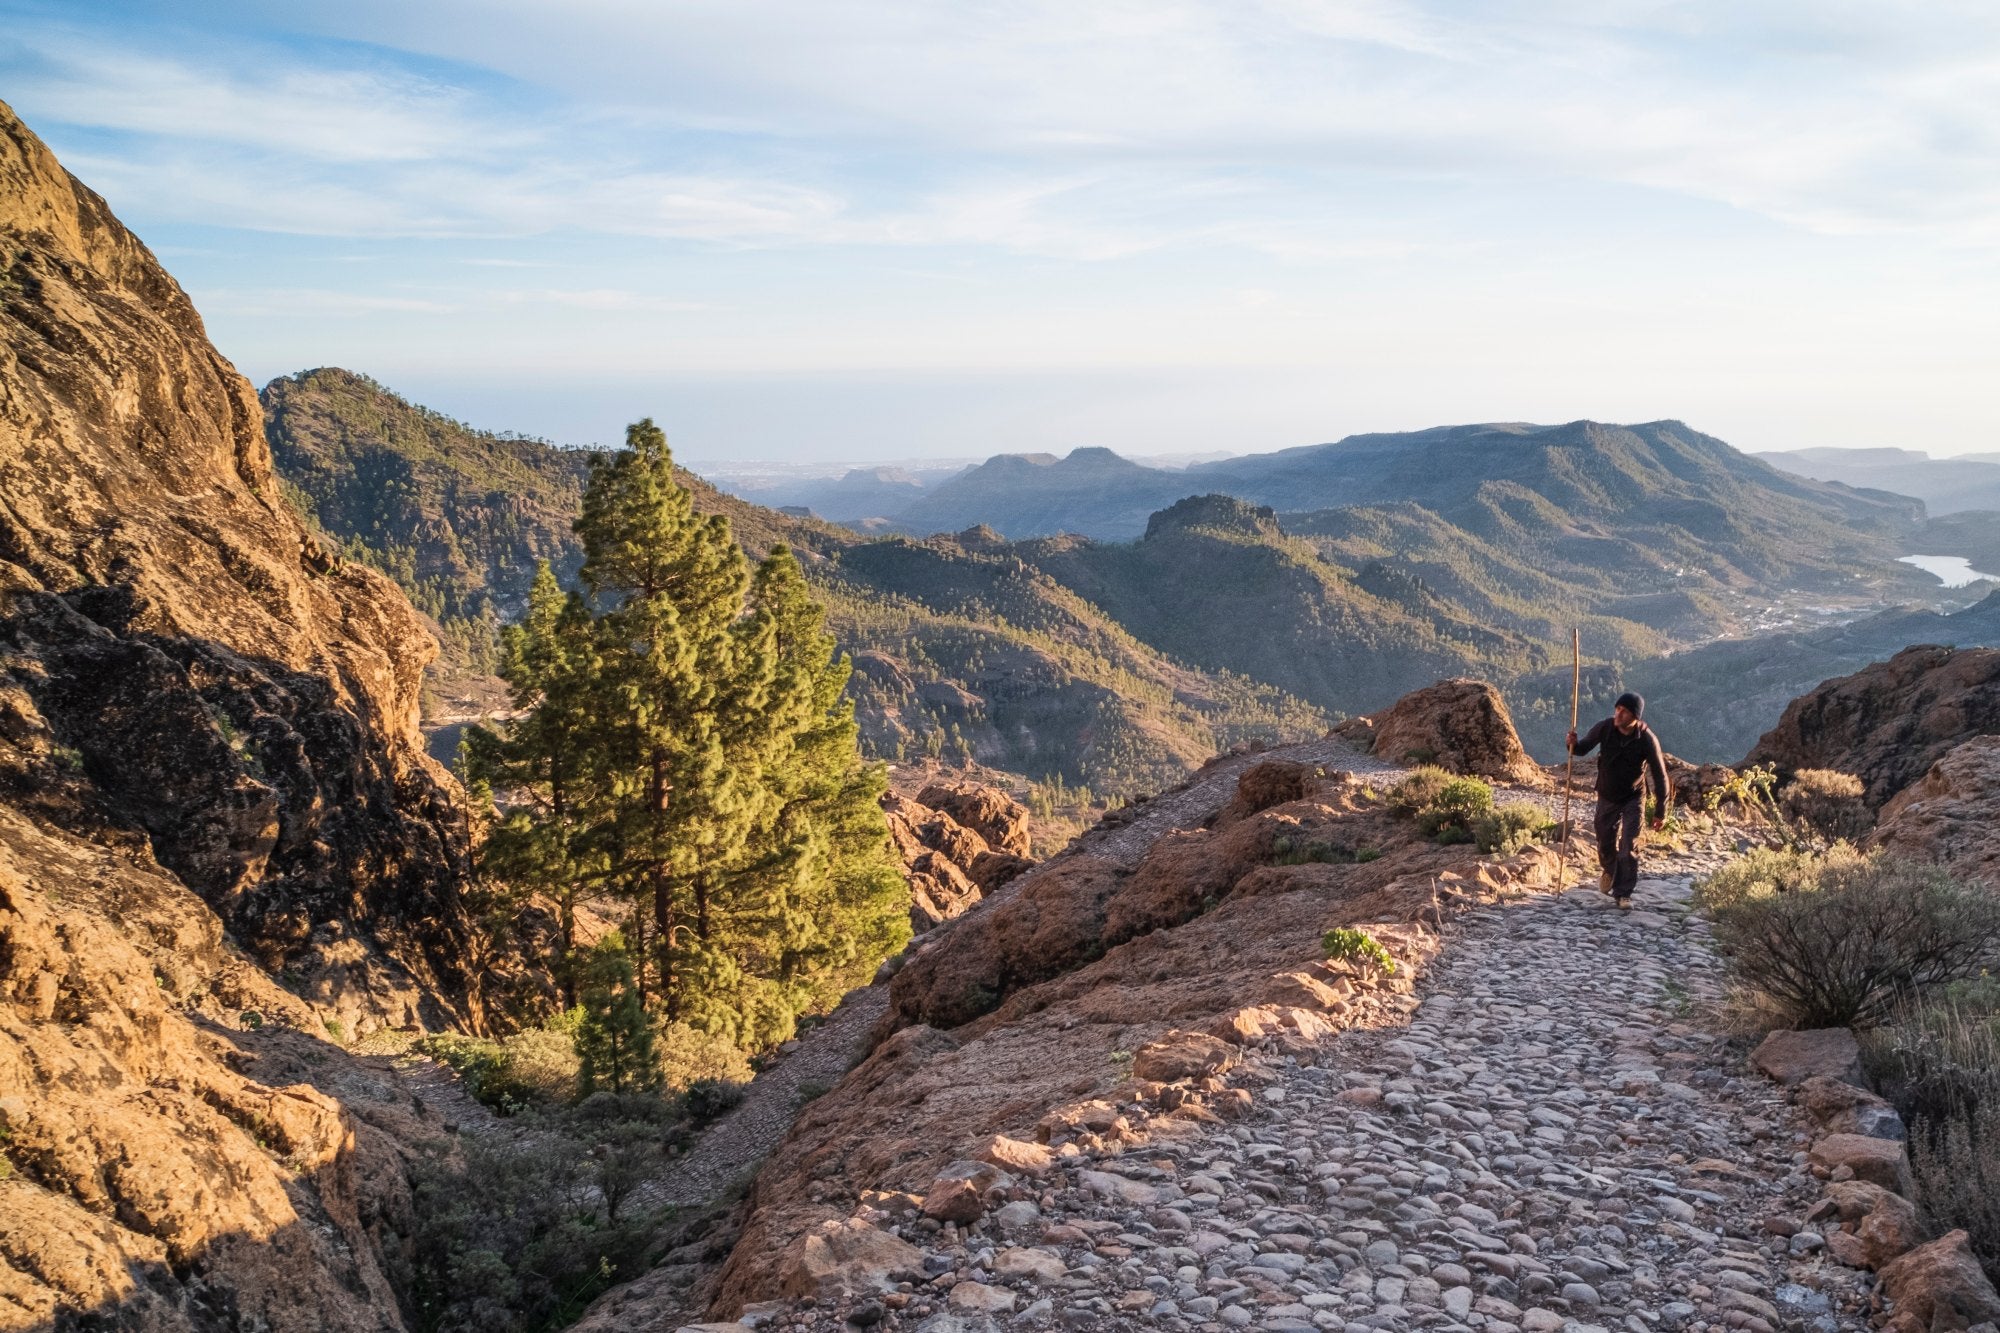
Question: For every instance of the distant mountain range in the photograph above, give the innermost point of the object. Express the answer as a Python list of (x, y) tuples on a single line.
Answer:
[(1945, 485), (1122, 663)]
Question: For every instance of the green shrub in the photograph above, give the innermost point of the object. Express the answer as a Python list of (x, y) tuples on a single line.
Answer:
[(1456, 806), (1939, 1062), (1511, 828), (1838, 940), (1828, 803), (1366, 854), (1288, 851), (707, 1100), (1344, 943), (534, 1067), (518, 1232), (1418, 790), (689, 1056)]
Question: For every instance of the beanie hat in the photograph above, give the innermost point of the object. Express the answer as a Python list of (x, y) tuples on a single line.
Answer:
[(1632, 703)]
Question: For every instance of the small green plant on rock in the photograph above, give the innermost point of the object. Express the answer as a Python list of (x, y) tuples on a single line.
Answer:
[(1455, 809), (1346, 944), (1415, 793), (1511, 828)]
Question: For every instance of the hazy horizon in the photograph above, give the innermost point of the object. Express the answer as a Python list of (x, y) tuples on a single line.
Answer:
[(861, 230)]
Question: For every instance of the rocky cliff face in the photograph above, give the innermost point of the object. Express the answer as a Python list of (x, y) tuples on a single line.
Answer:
[(209, 782), (223, 686), (1889, 722)]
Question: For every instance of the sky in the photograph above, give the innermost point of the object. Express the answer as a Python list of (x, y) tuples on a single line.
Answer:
[(855, 230)]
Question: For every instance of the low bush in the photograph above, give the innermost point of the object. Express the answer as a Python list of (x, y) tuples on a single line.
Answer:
[(1289, 851), (1827, 803), (1347, 944), (689, 1056), (1939, 1062), (535, 1067), (1415, 792), (1511, 828), (1457, 806), (1839, 940), (710, 1099)]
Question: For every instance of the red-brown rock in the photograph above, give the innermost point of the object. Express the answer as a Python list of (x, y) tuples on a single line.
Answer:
[(1947, 815), (991, 813), (1877, 1161), (1183, 1055), (1459, 724), (1889, 722), (1793, 1057), (1878, 1225), (1273, 782), (1842, 1108), (1939, 1286)]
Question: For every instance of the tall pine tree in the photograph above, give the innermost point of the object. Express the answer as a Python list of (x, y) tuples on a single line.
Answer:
[(547, 763), (687, 745), (669, 586)]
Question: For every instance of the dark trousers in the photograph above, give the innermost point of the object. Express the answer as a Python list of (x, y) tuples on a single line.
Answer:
[(1617, 838)]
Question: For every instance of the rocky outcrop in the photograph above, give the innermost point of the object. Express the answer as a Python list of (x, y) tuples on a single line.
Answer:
[(1947, 815), (224, 686), (1889, 722), (991, 813), (170, 1164), (1939, 1286), (1462, 725), (209, 777), (959, 841)]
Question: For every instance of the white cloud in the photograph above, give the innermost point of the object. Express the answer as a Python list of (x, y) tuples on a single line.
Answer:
[(1046, 127)]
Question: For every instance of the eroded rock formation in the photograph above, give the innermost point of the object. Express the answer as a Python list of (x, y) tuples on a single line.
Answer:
[(959, 841), (1947, 815), (209, 779), (1889, 722), (1460, 724)]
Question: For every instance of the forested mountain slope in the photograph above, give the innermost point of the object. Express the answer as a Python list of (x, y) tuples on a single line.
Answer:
[(960, 647)]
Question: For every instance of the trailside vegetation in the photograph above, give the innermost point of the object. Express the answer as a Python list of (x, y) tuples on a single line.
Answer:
[(685, 758)]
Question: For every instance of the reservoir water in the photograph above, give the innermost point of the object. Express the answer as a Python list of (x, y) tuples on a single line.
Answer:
[(1954, 570)]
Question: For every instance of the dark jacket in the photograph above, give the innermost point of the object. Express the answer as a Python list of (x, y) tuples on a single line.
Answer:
[(1622, 768)]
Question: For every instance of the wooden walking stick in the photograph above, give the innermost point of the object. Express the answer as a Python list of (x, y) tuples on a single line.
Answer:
[(1569, 764)]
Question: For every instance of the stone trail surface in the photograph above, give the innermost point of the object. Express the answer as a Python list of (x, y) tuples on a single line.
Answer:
[(1555, 1140)]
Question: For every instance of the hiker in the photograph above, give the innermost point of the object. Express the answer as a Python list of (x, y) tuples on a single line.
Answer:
[(1631, 750)]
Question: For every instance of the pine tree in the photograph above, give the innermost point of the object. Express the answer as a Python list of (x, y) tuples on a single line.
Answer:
[(819, 892), (614, 1042), (546, 762), (676, 674)]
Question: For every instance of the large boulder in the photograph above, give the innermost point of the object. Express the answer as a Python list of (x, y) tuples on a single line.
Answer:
[(1939, 1286), (1460, 724), (1890, 721), (1948, 814), (839, 1261), (1791, 1058)]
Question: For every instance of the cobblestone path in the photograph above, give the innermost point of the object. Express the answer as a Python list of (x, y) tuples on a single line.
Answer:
[(1556, 1139)]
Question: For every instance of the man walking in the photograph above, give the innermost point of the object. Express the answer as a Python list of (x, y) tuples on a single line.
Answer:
[(1631, 750)]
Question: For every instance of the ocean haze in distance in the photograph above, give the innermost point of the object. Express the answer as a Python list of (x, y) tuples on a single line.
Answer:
[(796, 231)]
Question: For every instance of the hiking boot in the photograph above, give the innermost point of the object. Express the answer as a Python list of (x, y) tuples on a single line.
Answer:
[(1604, 882), (1624, 904)]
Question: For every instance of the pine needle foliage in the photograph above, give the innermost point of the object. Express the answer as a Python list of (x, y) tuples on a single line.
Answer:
[(686, 749)]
